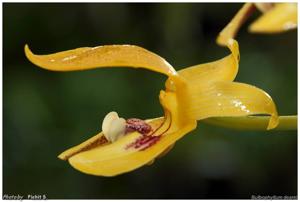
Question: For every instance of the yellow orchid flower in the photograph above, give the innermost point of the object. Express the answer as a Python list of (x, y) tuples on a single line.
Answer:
[(278, 17), (191, 94)]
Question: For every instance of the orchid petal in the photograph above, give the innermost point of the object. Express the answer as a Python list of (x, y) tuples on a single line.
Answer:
[(223, 99), (233, 26), (281, 18), (224, 69), (102, 56)]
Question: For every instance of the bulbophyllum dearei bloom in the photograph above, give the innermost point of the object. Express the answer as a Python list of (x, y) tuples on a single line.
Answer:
[(191, 94)]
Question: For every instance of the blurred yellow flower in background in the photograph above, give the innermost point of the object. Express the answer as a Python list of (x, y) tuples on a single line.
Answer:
[(276, 18)]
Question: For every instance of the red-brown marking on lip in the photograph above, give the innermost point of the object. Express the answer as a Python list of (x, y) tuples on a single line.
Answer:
[(144, 142), (138, 125)]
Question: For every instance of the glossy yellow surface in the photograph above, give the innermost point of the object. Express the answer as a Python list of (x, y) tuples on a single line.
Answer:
[(212, 94), (221, 99), (101, 56), (282, 17)]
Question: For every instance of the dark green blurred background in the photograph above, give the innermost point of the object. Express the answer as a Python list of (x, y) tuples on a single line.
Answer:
[(46, 112)]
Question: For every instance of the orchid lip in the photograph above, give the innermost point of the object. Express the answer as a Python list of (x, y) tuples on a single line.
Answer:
[(94, 142), (148, 135)]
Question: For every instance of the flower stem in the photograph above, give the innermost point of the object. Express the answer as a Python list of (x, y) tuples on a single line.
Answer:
[(257, 123)]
